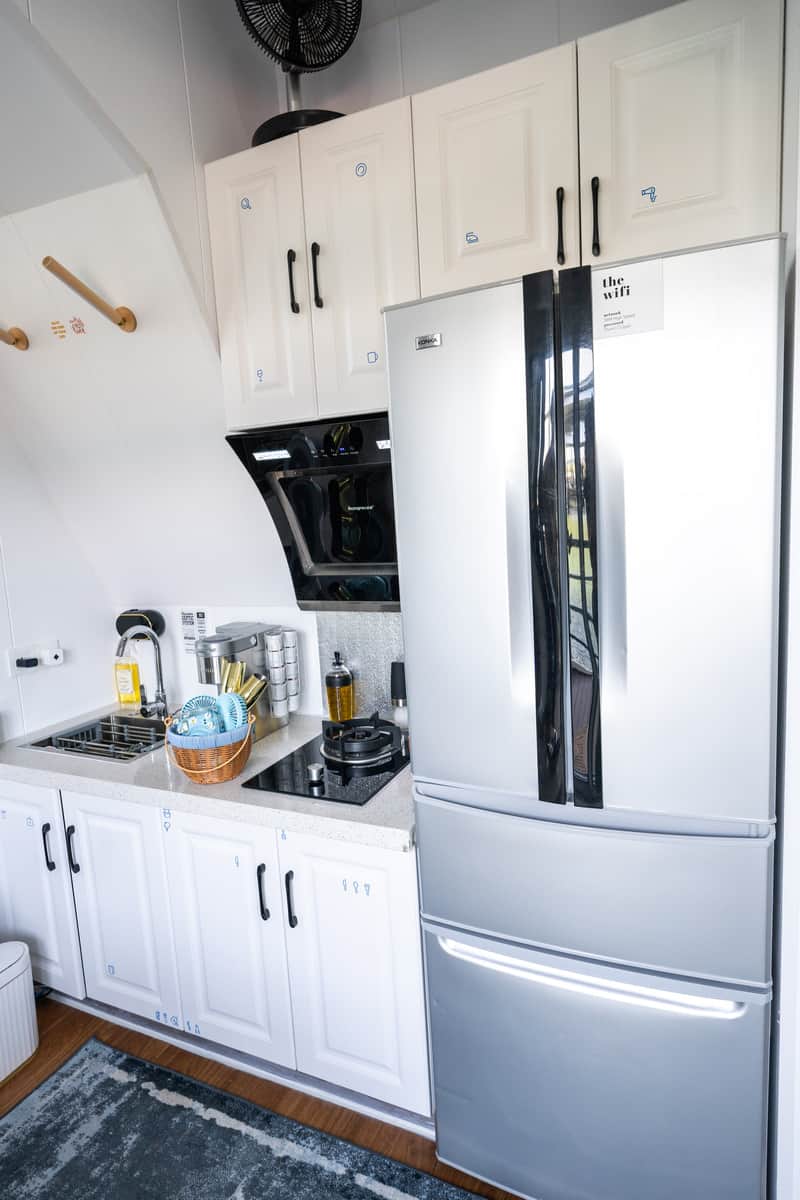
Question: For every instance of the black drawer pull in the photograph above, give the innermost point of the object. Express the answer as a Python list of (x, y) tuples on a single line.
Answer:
[(73, 865), (51, 866), (261, 870), (560, 213), (595, 215), (314, 257), (289, 900), (290, 259)]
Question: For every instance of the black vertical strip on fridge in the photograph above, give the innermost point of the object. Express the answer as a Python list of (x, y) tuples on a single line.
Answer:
[(580, 537), (544, 476)]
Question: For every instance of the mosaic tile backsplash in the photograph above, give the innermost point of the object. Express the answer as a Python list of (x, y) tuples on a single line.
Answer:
[(368, 642)]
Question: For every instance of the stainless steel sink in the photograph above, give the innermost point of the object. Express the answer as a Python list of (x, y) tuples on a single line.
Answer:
[(115, 736)]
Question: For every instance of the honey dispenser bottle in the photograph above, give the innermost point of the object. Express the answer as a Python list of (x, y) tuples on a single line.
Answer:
[(339, 689)]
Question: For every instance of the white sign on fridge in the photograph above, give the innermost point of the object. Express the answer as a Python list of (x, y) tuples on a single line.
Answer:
[(628, 299)]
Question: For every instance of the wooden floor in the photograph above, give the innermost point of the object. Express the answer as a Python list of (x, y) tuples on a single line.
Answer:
[(63, 1030)]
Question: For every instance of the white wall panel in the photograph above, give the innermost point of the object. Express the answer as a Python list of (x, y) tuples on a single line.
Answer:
[(578, 18), (448, 39), (453, 38)]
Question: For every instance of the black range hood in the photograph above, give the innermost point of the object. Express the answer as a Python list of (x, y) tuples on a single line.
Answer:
[(328, 487)]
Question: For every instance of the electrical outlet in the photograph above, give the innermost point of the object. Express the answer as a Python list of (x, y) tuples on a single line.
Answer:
[(23, 660)]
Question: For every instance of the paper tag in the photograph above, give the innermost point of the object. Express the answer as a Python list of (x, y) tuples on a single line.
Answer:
[(193, 626), (628, 299)]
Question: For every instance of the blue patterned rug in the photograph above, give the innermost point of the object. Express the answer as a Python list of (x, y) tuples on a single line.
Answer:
[(107, 1126)]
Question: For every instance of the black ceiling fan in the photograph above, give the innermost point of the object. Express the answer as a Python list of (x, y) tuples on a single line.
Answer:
[(301, 35)]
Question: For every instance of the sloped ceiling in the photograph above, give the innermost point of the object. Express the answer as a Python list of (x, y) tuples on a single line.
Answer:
[(124, 432), (57, 141)]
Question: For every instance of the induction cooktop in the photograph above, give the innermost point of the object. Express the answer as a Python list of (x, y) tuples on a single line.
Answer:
[(319, 770)]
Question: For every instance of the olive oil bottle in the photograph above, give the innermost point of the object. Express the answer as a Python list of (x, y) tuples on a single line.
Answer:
[(339, 689)]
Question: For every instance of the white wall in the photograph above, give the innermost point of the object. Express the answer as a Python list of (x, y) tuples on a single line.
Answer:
[(126, 431), (435, 43), (49, 593), (180, 79)]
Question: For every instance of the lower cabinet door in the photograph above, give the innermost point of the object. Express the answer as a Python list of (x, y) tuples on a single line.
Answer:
[(226, 904), (120, 884), (36, 904), (561, 1078), (355, 967)]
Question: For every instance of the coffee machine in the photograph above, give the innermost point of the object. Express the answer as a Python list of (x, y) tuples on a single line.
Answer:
[(263, 651)]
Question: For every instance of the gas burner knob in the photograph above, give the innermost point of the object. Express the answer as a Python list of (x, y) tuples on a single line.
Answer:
[(316, 772)]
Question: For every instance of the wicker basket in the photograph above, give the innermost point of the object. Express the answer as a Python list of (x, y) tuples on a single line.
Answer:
[(218, 764)]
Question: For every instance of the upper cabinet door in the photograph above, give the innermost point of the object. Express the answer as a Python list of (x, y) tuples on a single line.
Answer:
[(491, 153), (258, 243), (680, 120), (358, 186)]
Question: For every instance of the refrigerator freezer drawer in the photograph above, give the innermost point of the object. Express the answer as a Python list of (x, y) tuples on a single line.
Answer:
[(558, 1080), (685, 904)]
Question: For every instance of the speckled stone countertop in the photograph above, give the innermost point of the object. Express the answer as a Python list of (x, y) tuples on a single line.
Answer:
[(386, 820)]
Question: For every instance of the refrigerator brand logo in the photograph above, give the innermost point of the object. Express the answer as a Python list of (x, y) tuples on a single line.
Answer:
[(426, 341), (361, 508), (615, 287)]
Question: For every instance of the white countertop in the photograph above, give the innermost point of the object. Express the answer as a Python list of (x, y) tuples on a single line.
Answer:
[(386, 820)]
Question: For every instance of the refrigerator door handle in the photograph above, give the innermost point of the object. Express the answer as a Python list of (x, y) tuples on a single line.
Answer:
[(611, 488), (581, 533), (519, 601), (545, 470), (638, 995)]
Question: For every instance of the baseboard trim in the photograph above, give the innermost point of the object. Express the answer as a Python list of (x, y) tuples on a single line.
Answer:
[(256, 1066)]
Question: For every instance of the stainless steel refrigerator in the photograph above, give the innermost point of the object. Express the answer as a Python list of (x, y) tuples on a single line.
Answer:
[(587, 489)]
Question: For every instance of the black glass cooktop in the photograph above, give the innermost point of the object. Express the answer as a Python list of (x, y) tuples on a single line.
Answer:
[(345, 784)]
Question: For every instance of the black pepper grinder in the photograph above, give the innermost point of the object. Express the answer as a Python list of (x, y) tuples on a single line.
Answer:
[(397, 689)]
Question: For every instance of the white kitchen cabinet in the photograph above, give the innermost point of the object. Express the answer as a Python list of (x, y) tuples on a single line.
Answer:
[(358, 192), (225, 890), (680, 123), (120, 884), (255, 206), (355, 967), (36, 904), (491, 152)]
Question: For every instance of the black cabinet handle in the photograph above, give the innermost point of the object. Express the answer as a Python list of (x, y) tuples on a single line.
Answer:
[(289, 900), (290, 259), (595, 216), (314, 257), (73, 866), (560, 213), (260, 872), (51, 866)]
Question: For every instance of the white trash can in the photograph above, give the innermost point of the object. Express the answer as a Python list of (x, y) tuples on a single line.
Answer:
[(19, 1033)]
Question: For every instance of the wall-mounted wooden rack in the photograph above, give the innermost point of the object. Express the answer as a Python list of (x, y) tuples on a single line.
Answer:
[(15, 337), (122, 317)]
